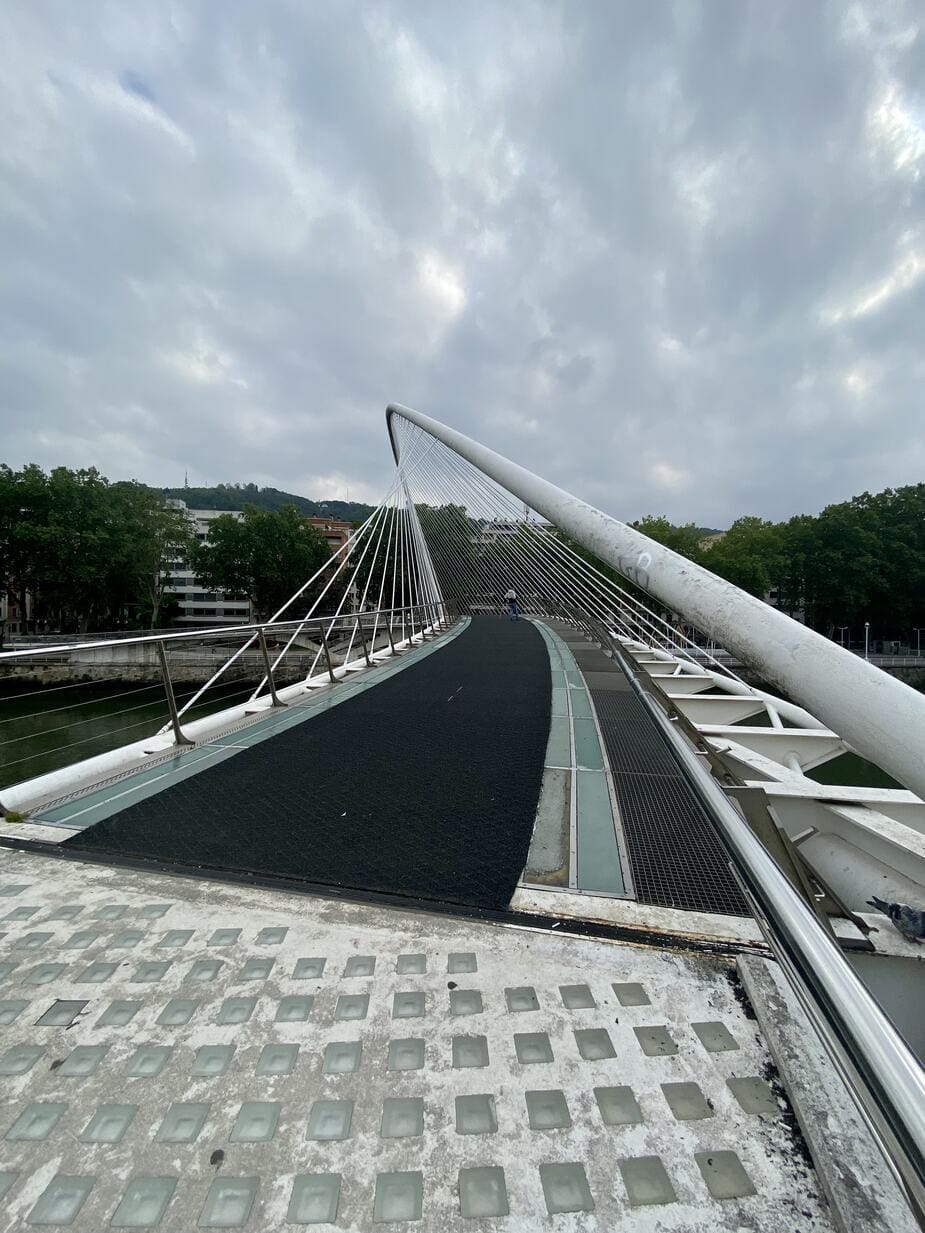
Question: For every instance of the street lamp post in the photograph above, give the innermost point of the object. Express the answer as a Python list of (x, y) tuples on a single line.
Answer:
[(843, 629), (918, 641), (866, 637)]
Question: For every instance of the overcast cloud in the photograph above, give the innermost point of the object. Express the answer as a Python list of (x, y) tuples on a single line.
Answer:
[(672, 256)]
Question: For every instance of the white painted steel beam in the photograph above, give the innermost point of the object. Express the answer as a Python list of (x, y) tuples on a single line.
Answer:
[(879, 716)]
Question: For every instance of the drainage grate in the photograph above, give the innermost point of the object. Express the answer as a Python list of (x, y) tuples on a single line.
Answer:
[(677, 860)]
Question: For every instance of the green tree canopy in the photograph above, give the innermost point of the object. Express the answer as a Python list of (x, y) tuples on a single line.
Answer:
[(266, 555)]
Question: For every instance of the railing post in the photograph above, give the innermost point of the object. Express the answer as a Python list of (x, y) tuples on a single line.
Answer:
[(178, 735), (327, 654), (388, 630), (363, 640), (269, 668)]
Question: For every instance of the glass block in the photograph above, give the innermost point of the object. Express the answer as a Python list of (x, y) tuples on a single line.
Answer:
[(20, 1059), (399, 1196), (411, 965), (360, 965), (532, 1048), (461, 961), (565, 1188), (9, 966), (236, 1010), (341, 1057), (118, 1014), (108, 1124), (211, 1060), (294, 1009), (408, 1005), (523, 998), (176, 937), (686, 1101), (11, 1009), (127, 938), (153, 911), (402, 1117), (618, 1106), (22, 913), (330, 1119), (352, 1006), (475, 1115), (152, 971), (655, 1041), (32, 941), (61, 1013), (224, 937), (314, 1198), (96, 973), (148, 1061), (465, 1002), (61, 1200), (36, 1122), (82, 1061), (470, 1051), (277, 1059), (271, 937), (547, 1110), (178, 1011), (724, 1175), (482, 1192), (256, 969), (646, 1181), (205, 969), (594, 1044), (754, 1095), (631, 995), (112, 911), (9, 889), (68, 912), (308, 969), (256, 1122), (715, 1037), (6, 1182), (228, 1203), (45, 973), (576, 997), (144, 1202), (406, 1054), (182, 1123)]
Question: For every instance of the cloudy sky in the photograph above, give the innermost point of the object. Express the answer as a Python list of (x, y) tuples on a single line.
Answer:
[(670, 255)]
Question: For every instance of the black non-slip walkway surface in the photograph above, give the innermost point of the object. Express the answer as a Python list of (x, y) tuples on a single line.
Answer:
[(425, 785)]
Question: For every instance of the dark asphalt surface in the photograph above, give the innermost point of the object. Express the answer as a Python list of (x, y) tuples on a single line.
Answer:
[(425, 786)]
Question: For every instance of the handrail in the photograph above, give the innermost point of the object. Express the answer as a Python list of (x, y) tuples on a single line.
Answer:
[(197, 634), (882, 1073)]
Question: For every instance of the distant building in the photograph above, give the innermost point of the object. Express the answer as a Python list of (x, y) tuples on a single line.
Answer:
[(12, 619), (335, 531), (199, 607)]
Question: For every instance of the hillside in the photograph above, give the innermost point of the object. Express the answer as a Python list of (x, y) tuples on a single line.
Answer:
[(236, 496)]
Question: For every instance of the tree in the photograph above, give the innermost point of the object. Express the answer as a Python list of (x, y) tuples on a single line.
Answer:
[(265, 555), (750, 554), (684, 539)]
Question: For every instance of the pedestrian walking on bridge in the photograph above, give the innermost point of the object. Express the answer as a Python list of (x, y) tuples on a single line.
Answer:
[(512, 606)]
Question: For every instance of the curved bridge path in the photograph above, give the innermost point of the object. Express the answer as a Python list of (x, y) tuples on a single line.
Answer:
[(425, 786)]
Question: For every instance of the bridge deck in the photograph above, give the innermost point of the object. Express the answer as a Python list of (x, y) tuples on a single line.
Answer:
[(425, 786)]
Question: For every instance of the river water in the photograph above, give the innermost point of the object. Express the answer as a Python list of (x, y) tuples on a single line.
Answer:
[(44, 729)]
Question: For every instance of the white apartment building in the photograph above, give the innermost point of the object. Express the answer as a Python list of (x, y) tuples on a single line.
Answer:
[(199, 607)]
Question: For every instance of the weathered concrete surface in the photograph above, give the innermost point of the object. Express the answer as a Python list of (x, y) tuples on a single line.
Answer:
[(554, 1023), (862, 1193)]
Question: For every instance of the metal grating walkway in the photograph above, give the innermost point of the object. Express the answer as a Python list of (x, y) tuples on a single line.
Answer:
[(676, 860)]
